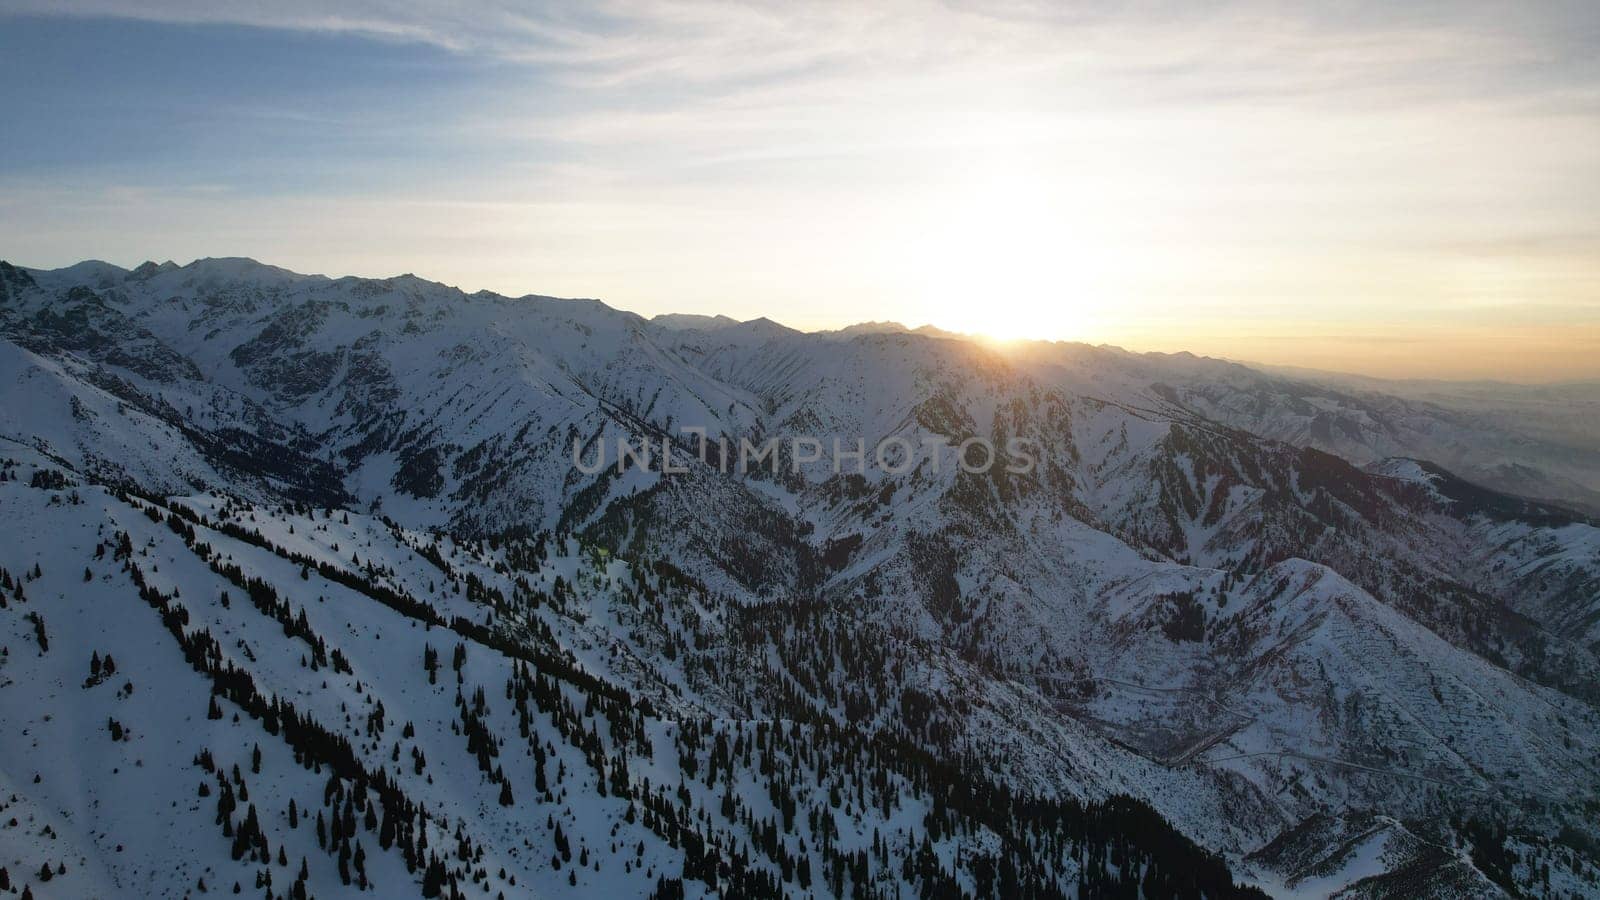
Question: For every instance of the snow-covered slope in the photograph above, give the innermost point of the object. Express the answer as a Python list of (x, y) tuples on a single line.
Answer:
[(318, 702), (1176, 625)]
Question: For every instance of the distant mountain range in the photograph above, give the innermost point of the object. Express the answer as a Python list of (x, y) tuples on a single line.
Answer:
[(1238, 630)]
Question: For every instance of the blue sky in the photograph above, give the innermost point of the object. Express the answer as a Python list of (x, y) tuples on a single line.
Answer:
[(260, 111), (1395, 189)]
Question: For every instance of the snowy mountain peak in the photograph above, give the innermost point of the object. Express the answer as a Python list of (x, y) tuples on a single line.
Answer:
[(1217, 635)]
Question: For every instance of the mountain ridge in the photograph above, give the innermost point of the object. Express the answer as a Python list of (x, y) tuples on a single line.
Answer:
[(1235, 630)]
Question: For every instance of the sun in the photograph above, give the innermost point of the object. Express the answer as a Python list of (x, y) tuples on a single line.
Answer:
[(1011, 258)]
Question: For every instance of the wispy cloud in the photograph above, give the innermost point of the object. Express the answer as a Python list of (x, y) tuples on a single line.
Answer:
[(887, 160), (1269, 47)]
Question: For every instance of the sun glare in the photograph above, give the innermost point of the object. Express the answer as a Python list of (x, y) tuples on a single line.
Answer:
[(1007, 257)]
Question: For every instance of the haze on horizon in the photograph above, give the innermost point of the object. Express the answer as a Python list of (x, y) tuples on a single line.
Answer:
[(1397, 192)]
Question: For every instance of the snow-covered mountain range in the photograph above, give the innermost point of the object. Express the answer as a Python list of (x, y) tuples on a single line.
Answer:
[(372, 628)]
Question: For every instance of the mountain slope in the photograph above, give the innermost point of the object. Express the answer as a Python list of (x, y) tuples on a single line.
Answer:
[(230, 659), (1171, 614)]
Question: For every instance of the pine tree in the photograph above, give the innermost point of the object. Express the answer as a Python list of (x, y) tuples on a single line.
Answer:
[(433, 878)]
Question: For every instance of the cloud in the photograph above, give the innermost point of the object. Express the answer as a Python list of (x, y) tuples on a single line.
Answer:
[(1240, 47), (1237, 159)]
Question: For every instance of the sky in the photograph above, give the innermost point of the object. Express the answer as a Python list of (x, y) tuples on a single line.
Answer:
[(1403, 190)]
